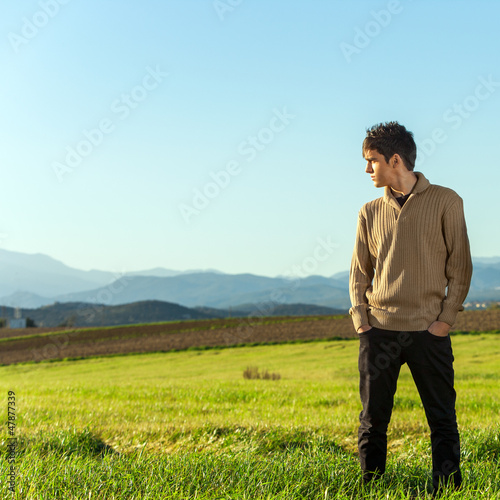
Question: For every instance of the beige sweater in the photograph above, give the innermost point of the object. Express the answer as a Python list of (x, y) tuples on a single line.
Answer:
[(411, 265)]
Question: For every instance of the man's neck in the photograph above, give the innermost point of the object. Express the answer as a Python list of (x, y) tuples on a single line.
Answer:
[(404, 185)]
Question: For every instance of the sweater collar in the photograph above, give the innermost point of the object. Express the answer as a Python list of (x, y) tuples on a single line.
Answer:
[(421, 185)]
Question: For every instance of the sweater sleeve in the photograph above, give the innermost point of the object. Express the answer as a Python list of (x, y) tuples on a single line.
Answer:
[(458, 265), (360, 276)]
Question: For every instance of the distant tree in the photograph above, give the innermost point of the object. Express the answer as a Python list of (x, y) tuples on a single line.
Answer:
[(30, 323)]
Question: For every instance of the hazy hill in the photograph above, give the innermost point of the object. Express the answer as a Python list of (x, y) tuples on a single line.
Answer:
[(151, 311), (486, 276), (34, 280), (218, 290), (284, 310), (25, 299), (84, 314), (42, 275)]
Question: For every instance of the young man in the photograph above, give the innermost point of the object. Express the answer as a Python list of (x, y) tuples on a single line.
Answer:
[(410, 273)]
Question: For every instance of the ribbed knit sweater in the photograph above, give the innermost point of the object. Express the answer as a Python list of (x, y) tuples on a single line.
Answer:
[(411, 265)]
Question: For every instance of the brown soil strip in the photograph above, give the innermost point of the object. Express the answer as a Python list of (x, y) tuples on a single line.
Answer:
[(146, 338), (186, 334)]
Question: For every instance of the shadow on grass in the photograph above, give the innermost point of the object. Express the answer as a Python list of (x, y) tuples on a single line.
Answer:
[(259, 441), (67, 443), (281, 440)]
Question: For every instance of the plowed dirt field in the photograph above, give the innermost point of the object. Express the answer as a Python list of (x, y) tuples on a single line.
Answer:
[(35, 344)]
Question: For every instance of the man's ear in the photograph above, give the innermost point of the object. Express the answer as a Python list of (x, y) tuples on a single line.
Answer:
[(396, 160)]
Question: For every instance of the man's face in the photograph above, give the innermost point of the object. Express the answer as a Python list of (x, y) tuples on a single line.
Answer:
[(380, 171)]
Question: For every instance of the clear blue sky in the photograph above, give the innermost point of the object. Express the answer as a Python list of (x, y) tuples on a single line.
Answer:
[(269, 98)]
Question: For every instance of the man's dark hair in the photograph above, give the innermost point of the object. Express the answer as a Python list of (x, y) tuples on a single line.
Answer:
[(390, 138)]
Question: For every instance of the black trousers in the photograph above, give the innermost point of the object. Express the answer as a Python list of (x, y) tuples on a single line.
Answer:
[(430, 359)]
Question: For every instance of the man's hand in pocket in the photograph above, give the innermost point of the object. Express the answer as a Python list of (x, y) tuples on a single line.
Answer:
[(439, 328)]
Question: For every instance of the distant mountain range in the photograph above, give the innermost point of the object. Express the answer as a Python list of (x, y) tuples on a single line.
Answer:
[(217, 290), (39, 274), (35, 280)]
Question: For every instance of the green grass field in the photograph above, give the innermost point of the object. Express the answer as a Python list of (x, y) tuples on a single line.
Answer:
[(188, 425)]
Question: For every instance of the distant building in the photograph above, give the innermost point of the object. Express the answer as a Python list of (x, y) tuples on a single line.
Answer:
[(18, 323)]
